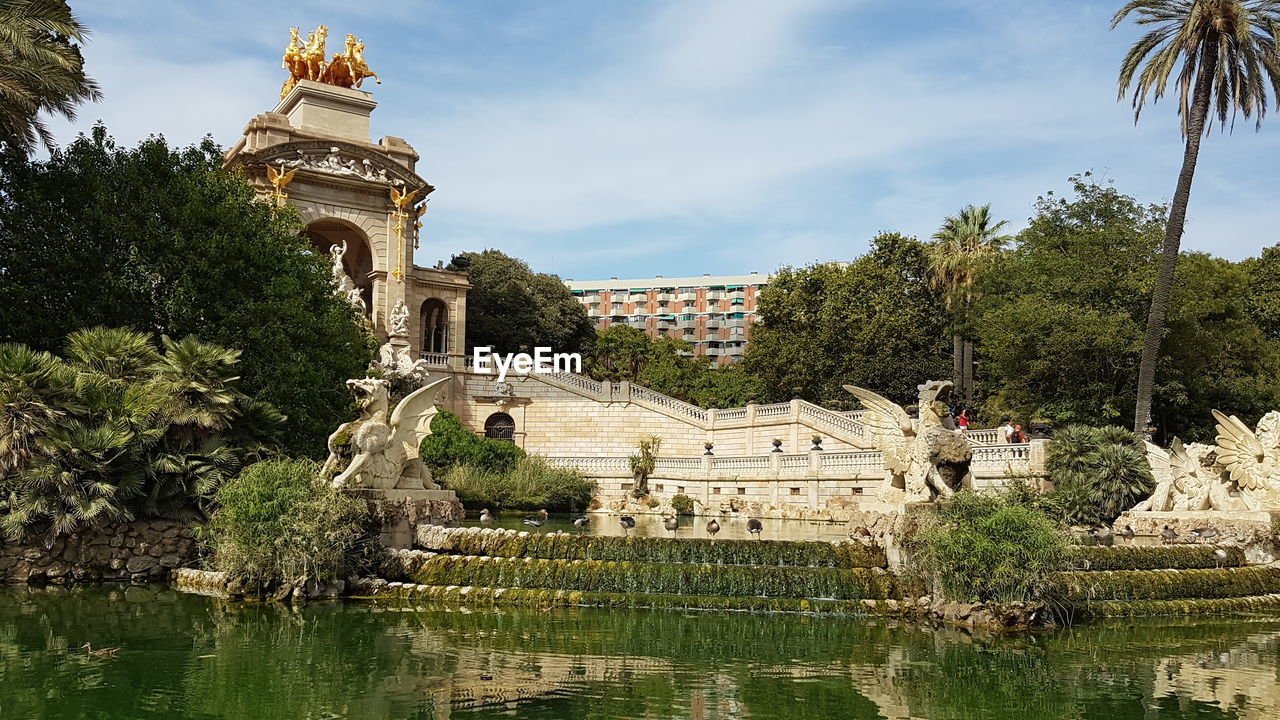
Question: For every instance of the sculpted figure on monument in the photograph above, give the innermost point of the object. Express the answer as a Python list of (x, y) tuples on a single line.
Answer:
[(384, 453), (926, 457), (348, 68), (400, 319)]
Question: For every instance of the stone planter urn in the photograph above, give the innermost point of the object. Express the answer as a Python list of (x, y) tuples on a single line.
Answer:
[(777, 445), (817, 444), (708, 446)]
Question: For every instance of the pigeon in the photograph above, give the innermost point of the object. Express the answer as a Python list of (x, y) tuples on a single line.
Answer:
[(713, 527), (1126, 532), (627, 522), (1219, 557), (1204, 533), (671, 523)]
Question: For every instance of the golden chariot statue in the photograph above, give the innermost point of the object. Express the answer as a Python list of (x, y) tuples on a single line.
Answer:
[(305, 61)]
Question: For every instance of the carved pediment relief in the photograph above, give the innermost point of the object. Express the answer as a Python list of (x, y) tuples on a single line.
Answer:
[(335, 159)]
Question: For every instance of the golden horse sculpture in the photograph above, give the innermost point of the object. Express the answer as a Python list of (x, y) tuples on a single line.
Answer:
[(306, 61), (348, 68)]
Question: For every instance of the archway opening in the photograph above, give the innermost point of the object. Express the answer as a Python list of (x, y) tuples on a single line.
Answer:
[(357, 261), (434, 318), (500, 426)]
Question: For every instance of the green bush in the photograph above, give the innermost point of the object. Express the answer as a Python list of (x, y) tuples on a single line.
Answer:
[(279, 522), (451, 443), (531, 484), (990, 548), (1098, 473), (682, 504)]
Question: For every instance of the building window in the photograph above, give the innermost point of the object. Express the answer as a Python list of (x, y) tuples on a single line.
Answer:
[(742, 491), (434, 318), (795, 491), (657, 488), (857, 491), (680, 489), (500, 426), (715, 491)]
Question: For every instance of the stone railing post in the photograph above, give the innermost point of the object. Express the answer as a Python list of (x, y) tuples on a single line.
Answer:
[(706, 467), (711, 421), (815, 462), (624, 390), (606, 391), (751, 414), (795, 423), (775, 463)]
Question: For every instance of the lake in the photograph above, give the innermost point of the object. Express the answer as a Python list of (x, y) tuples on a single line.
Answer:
[(188, 656)]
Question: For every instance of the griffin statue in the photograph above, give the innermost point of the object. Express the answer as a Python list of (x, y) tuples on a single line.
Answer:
[(926, 457), (1242, 472), (385, 453)]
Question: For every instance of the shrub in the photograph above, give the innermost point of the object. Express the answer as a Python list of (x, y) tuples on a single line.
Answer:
[(1098, 473), (278, 521), (990, 548), (682, 504), (532, 484), (451, 443)]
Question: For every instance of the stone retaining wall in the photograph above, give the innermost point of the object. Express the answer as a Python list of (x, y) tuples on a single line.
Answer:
[(140, 551)]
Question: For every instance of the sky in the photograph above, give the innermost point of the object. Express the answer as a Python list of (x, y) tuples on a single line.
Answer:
[(601, 139)]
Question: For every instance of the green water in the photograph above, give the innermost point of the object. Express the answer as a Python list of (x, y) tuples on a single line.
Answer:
[(186, 656)]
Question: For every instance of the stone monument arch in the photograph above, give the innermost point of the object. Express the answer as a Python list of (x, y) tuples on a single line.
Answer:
[(315, 151)]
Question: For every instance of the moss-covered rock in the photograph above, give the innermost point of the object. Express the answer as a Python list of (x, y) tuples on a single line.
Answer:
[(1198, 606), (564, 546), (1162, 557), (1130, 585), (664, 578)]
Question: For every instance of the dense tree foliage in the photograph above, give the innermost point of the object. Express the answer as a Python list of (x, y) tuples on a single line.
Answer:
[(119, 430), (514, 309), (668, 365), (1061, 330), (164, 240), (875, 322)]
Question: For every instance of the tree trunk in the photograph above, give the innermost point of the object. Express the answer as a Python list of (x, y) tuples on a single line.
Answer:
[(1173, 240), (957, 363), (967, 393)]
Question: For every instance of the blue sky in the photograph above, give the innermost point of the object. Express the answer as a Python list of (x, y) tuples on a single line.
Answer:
[(599, 139)]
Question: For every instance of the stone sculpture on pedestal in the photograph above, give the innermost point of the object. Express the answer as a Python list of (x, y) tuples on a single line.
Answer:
[(384, 454), (926, 457)]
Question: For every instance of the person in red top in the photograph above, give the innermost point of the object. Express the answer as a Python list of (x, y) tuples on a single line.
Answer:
[(963, 421)]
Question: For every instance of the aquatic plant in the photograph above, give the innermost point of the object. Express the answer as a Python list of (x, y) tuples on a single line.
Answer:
[(1163, 557), (277, 521), (1130, 585), (564, 546), (661, 578), (988, 548)]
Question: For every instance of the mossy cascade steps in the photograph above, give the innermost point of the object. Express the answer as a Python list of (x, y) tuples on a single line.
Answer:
[(1165, 580), (480, 566)]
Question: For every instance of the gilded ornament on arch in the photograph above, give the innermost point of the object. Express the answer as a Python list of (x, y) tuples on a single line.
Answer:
[(279, 180)]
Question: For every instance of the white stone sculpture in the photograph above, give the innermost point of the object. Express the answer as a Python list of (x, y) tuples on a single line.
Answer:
[(334, 163), (397, 361), (1252, 460), (1186, 479), (400, 319), (928, 457), (384, 454), (344, 286)]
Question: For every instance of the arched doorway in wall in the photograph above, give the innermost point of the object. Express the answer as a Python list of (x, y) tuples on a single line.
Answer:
[(357, 261), (500, 426), (434, 318)]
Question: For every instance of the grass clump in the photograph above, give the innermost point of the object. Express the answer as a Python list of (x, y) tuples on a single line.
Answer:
[(278, 522), (530, 484), (983, 548)]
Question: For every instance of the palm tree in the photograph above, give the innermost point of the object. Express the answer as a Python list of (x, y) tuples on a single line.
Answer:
[(41, 69), (37, 393), (966, 244), (198, 381), (1228, 56)]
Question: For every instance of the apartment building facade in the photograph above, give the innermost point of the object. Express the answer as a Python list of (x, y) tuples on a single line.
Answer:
[(713, 313)]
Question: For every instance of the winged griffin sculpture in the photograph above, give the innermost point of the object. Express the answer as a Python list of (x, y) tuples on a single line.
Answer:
[(385, 452), (926, 457), (1242, 472)]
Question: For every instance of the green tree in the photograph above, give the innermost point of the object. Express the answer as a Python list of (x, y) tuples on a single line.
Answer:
[(120, 431), (875, 322), (165, 241), (964, 248), (1060, 328), (1228, 55), (513, 309), (668, 366), (41, 70)]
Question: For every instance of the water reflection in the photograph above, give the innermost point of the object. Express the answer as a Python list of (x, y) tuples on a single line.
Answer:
[(734, 528), (196, 657)]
